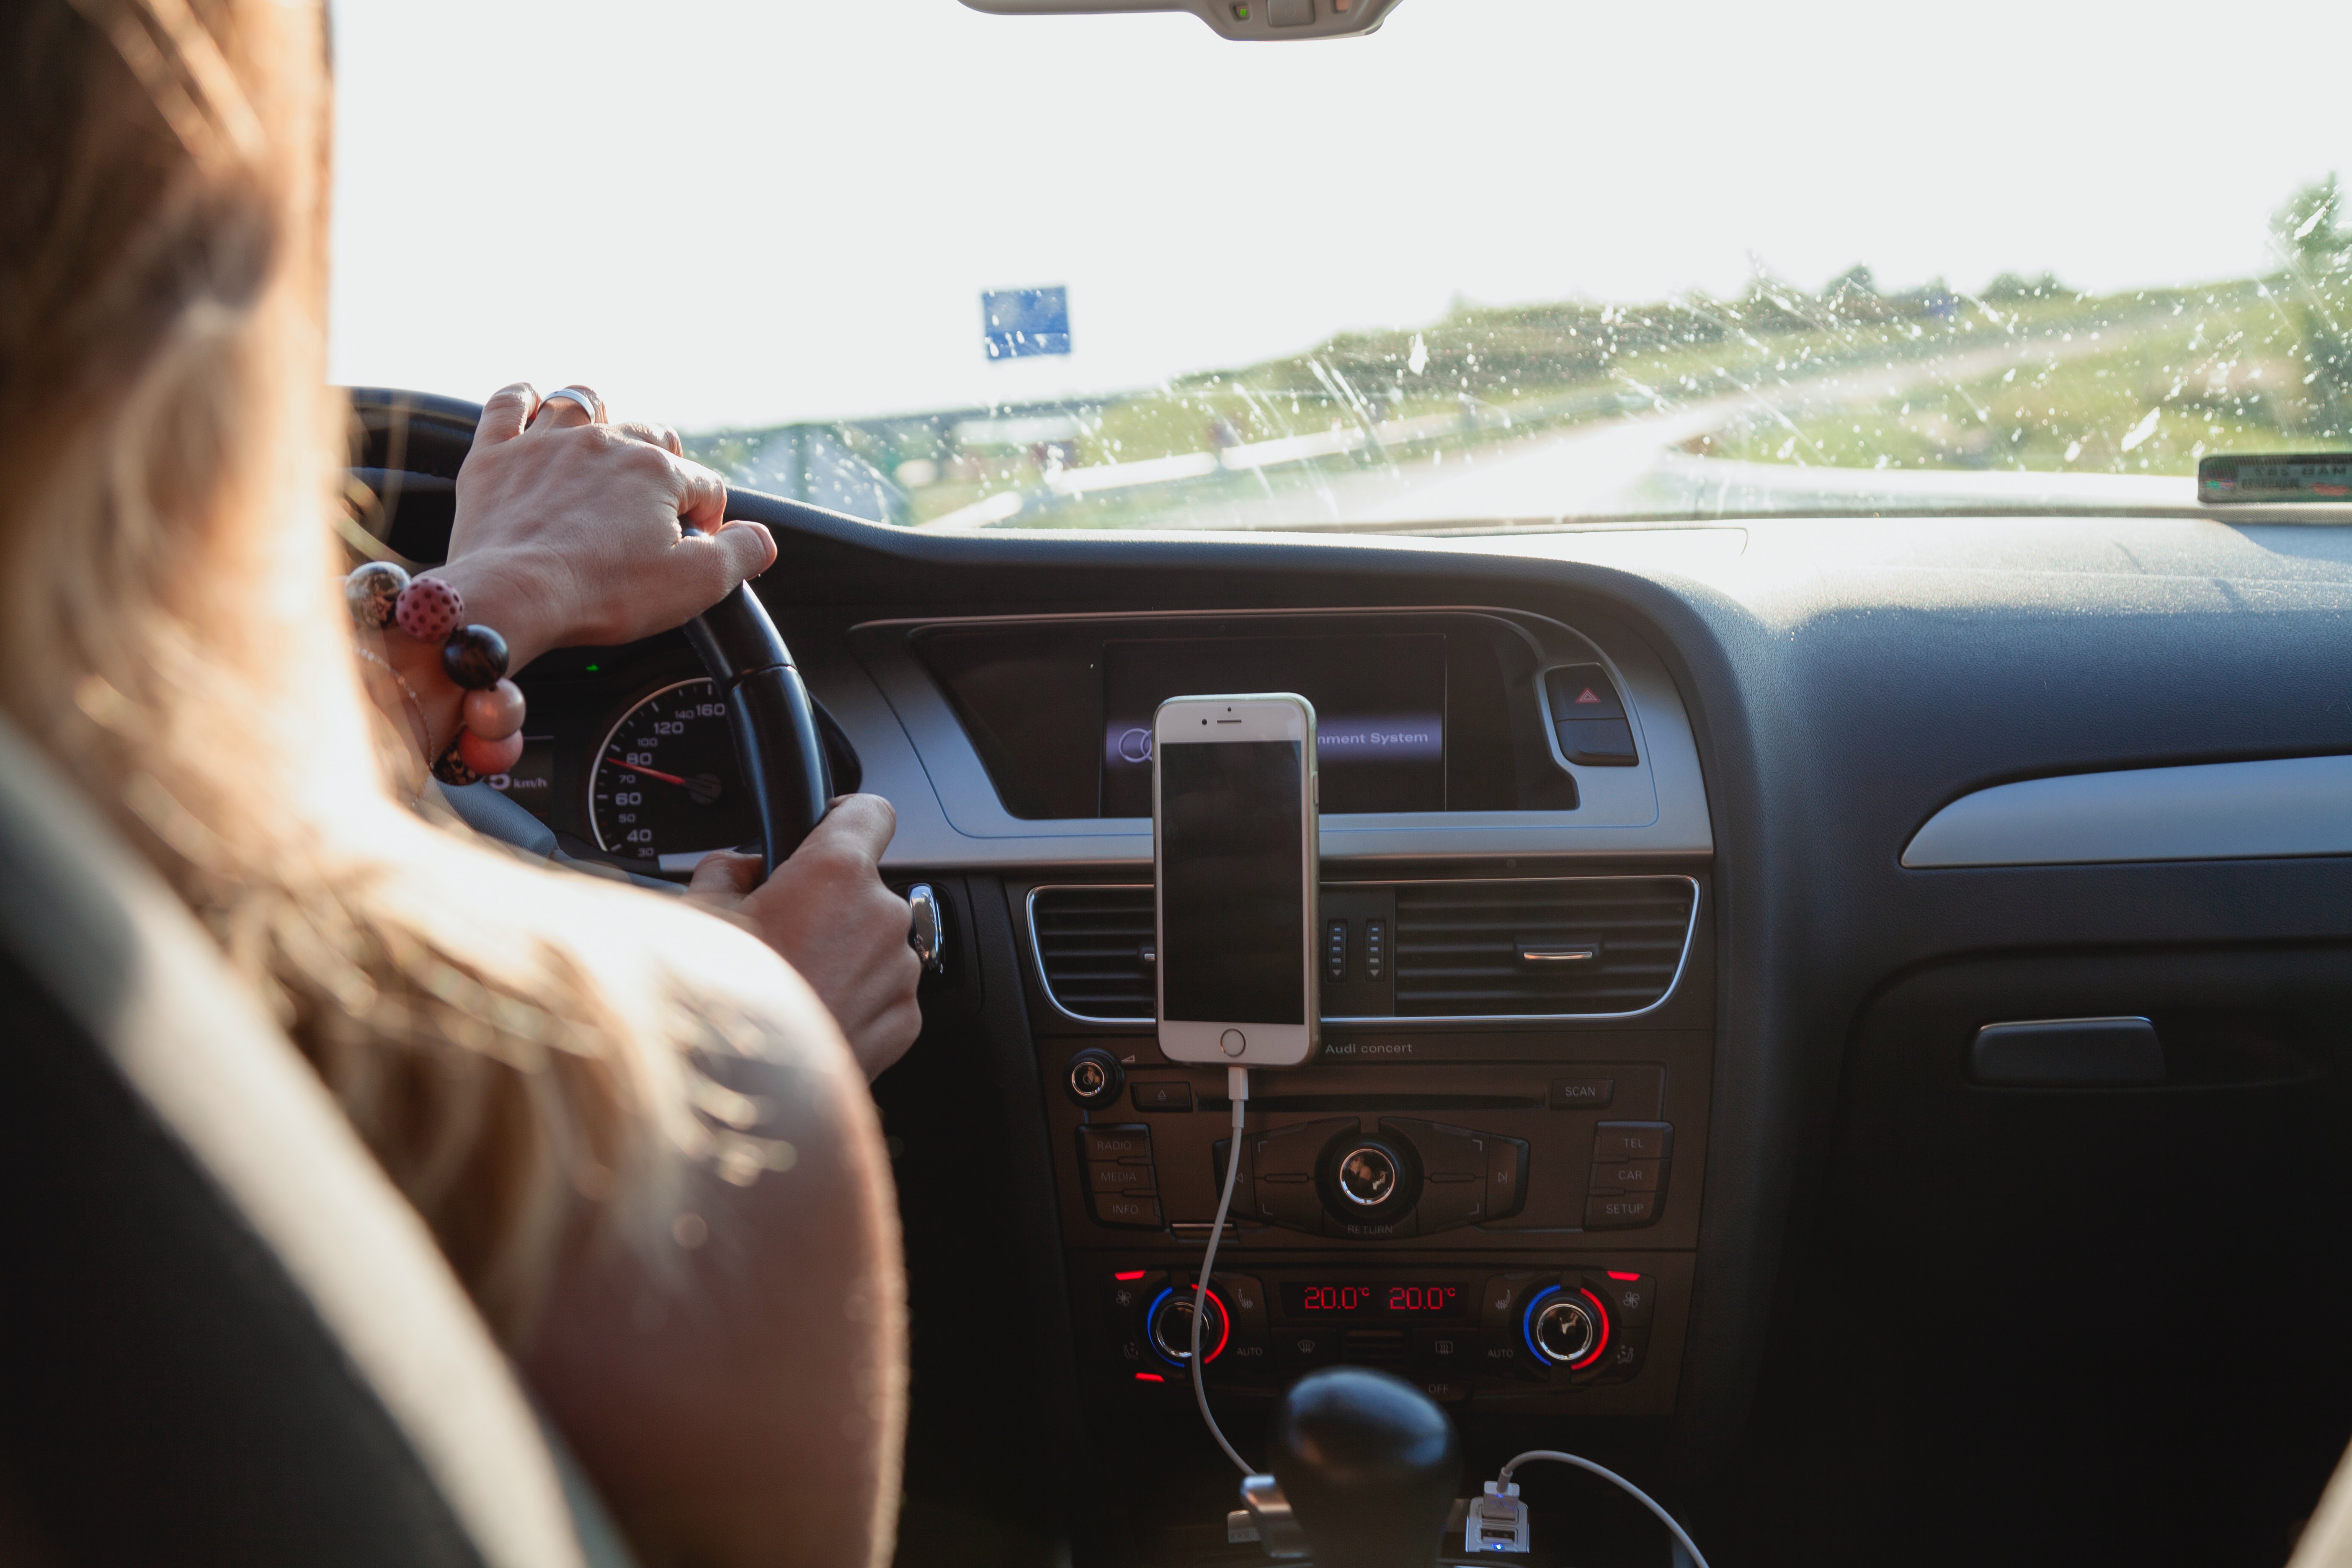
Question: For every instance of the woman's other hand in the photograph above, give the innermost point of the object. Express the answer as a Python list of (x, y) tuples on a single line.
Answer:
[(826, 911), (570, 534)]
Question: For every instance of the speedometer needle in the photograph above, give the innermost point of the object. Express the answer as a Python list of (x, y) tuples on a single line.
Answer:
[(653, 773)]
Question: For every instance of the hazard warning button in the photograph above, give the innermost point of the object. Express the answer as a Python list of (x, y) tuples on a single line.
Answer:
[(1581, 692)]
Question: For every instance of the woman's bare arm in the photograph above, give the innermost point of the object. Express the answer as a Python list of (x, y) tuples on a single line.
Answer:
[(751, 1408)]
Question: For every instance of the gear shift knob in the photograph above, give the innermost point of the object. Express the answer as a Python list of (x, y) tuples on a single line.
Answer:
[(1369, 1464)]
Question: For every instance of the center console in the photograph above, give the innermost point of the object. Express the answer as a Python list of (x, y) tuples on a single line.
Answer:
[(1502, 1206)]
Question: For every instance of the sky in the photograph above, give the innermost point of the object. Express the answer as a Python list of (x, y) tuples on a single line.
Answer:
[(738, 213)]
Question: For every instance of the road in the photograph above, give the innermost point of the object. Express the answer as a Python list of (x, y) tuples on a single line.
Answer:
[(1613, 464)]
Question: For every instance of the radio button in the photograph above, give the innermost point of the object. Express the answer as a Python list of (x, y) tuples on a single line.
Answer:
[(1114, 1143)]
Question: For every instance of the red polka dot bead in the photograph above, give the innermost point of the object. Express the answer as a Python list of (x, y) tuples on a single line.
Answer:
[(429, 609)]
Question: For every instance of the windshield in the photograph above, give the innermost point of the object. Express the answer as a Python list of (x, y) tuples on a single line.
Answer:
[(1503, 263)]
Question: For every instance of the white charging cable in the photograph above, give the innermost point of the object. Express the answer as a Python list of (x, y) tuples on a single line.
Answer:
[(1237, 1091), (1498, 1521)]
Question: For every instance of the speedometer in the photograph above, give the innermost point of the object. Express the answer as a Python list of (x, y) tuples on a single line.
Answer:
[(666, 789)]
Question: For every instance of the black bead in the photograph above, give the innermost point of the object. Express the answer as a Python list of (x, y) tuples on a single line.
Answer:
[(476, 657)]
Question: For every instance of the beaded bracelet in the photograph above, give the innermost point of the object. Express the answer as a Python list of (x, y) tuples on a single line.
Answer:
[(489, 739)]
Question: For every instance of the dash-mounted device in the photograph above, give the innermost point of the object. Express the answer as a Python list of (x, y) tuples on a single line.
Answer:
[(1234, 862)]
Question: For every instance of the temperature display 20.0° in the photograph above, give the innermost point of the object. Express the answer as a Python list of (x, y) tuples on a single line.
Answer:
[(1384, 1300)]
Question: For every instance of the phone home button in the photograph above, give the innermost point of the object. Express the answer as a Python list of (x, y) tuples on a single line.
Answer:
[(1233, 1042)]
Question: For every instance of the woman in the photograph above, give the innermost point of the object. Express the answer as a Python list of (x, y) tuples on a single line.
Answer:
[(641, 1139)]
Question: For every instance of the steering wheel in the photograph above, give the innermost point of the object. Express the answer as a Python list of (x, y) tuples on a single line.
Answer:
[(411, 447), (771, 715)]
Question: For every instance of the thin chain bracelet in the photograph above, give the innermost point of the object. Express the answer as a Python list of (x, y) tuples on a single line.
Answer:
[(408, 695)]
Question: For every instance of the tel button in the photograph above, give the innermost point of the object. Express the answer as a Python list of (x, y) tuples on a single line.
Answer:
[(1632, 1140)]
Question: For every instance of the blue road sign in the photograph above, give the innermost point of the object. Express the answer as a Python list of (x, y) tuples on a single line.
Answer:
[(1016, 322)]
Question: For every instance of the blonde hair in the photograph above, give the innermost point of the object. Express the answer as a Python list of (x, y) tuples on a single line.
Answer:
[(171, 633)]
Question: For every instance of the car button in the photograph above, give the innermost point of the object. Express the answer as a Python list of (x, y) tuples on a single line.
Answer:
[(1628, 1176)]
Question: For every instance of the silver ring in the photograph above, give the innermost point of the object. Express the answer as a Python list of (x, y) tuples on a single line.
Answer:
[(587, 400)]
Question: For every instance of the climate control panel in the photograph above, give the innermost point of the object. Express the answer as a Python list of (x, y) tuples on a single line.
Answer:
[(1491, 1336)]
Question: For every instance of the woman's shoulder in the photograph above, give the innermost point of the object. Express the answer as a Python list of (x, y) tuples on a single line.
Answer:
[(649, 958)]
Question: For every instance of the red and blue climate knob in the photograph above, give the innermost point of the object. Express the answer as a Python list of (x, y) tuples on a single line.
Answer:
[(1168, 1324), (1565, 1328)]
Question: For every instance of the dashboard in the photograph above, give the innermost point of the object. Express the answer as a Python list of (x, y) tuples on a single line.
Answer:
[(1935, 1142)]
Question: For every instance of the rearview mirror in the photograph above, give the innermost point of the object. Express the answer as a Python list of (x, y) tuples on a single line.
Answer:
[(1257, 21)]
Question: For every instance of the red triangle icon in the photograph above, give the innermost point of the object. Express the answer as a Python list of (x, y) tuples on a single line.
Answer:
[(1589, 695)]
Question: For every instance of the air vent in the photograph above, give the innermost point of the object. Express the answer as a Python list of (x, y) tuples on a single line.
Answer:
[(1575, 945), (1091, 943)]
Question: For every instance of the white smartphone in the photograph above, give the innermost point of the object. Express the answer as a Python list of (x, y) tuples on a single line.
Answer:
[(1233, 860)]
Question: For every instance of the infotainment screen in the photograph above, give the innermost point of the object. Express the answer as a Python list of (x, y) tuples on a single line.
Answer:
[(1379, 706)]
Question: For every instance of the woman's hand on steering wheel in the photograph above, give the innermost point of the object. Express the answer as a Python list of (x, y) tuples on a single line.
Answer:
[(576, 533), (827, 912)]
